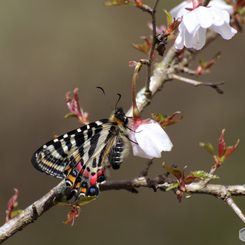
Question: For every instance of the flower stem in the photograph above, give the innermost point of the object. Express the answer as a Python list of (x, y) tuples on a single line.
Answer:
[(136, 113)]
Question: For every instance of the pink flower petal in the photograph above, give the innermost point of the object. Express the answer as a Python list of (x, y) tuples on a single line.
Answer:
[(151, 140)]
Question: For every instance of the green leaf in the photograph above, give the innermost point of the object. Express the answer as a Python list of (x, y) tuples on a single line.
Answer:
[(198, 175), (169, 17), (71, 114), (118, 2), (82, 201), (159, 117), (208, 147), (204, 175), (86, 200), (15, 213), (202, 62), (172, 186)]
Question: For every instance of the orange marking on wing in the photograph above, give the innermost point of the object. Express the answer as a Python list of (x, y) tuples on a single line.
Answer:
[(83, 190), (68, 169), (77, 157), (71, 178), (76, 185)]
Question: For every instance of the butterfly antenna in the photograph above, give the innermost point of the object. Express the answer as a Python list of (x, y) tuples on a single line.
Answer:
[(119, 97), (103, 91)]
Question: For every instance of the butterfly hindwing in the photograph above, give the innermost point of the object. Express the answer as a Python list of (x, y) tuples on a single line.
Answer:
[(80, 156), (86, 170)]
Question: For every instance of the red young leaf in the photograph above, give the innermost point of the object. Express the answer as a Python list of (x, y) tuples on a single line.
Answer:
[(224, 151), (239, 13), (145, 48), (11, 205), (230, 149), (203, 67), (74, 107), (164, 120), (174, 171), (191, 178), (240, 3), (73, 214), (221, 149), (132, 63), (173, 27)]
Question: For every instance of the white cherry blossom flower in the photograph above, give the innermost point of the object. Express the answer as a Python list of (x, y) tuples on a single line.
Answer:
[(181, 9), (148, 139), (192, 29)]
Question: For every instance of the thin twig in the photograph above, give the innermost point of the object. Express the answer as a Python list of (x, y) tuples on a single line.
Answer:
[(144, 7), (187, 70), (145, 171), (152, 45), (235, 208), (198, 83)]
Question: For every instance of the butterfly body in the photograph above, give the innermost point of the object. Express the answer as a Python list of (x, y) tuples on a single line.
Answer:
[(81, 156)]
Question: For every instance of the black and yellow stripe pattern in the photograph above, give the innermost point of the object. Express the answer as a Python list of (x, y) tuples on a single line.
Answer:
[(80, 156)]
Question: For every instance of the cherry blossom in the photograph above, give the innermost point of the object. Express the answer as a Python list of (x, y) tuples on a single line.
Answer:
[(196, 20), (148, 139)]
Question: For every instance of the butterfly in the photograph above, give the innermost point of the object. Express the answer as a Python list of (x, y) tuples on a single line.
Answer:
[(81, 156)]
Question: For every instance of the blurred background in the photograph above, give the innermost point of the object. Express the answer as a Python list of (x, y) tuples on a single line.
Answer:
[(48, 48)]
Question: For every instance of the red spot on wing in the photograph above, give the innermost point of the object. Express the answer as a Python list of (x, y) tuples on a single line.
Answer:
[(86, 173), (79, 166), (93, 179), (101, 172)]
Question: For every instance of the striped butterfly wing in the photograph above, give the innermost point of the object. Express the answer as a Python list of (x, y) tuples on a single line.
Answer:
[(80, 156)]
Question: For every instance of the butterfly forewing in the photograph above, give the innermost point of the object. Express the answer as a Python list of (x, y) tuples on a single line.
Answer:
[(53, 157), (81, 155)]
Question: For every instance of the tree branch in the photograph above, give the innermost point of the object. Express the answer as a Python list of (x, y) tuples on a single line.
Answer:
[(31, 213), (161, 182)]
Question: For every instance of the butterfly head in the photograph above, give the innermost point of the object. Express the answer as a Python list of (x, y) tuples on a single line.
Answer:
[(119, 117)]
